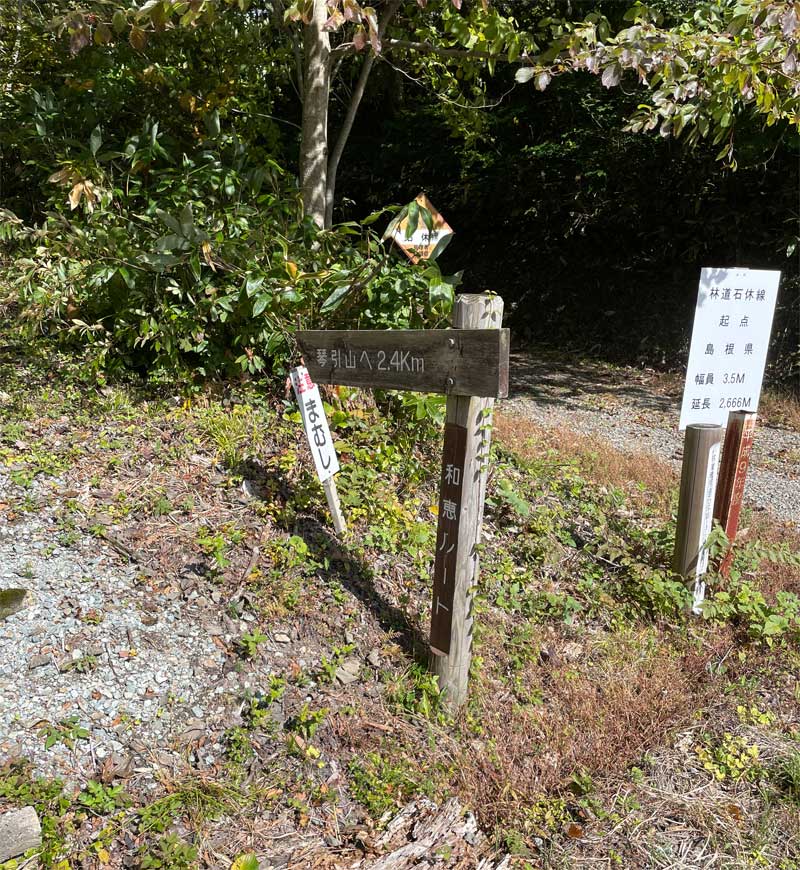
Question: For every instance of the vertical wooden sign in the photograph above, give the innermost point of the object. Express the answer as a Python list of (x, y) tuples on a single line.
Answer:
[(447, 537), (466, 460), (733, 476)]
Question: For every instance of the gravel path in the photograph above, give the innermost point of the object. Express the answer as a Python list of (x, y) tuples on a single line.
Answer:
[(622, 407), (137, 660)]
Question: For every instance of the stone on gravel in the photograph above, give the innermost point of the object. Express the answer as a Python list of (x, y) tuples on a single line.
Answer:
[(11, 601), (348, 671), (19, 831)]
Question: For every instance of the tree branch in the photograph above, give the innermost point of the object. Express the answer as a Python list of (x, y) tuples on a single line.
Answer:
[(352, 111), (429, 48)]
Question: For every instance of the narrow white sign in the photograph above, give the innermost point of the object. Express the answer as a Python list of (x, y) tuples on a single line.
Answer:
[(315, 423), (730, 339)]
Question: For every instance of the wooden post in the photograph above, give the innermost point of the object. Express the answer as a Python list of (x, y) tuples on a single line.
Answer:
[(701, 451), (733, 476), (332, 495), (463, 489)]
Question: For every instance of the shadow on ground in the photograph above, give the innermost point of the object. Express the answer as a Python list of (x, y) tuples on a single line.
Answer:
[(558, 380)]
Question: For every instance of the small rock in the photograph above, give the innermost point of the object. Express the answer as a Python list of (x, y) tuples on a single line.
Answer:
[(348, 671), (11, 601), (38, 662), (282, 637), (374, 657)]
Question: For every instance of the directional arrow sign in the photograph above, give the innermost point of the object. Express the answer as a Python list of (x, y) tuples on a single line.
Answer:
[(458, 362)]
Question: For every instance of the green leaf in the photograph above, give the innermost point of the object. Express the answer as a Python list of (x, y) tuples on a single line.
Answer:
[(247, 861), (261, 303), (413, 219), (211, 121), (253, 283), (95, 140), (524, 74), (427, 218), (441, 294), (169, 220), (119, 22), (371, 218), (187, 220), (394, 223), (443, 242), (335, 299)]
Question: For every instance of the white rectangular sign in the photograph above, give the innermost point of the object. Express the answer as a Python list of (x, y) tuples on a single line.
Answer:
[(730, 339), (315, 423)]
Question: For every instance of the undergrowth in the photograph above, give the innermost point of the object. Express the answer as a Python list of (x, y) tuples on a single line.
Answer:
[(587, 663)]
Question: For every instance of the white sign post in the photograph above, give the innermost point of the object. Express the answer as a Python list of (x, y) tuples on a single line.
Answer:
[(315, 423), (730, 339)]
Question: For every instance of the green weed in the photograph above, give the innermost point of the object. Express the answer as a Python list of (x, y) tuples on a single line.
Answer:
[(67, 731), (168, 853), (732, 757), (103, 799), (416, 692), (380, 784), (250, 642)]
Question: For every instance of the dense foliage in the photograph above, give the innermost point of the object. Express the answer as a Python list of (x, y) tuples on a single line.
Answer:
[(167, 237), (150, 201)]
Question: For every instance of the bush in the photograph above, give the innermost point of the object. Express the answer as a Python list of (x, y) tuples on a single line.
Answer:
[(196, 262)]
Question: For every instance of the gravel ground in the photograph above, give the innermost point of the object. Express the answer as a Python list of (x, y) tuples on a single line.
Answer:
[(622, 407), (139, 662)]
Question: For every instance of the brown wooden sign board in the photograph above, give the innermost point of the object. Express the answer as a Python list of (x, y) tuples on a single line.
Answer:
[(447, 538), (458, 362)]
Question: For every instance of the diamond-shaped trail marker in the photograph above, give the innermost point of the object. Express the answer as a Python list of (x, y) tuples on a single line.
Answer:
[(423, 242)]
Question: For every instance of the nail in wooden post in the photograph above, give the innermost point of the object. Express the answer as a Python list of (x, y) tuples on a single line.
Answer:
[(465, 462), (733, 476), (701, 452)]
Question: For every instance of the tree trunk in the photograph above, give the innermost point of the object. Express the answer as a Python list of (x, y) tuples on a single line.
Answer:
[(316, 94), (352, 110), (347, 126)]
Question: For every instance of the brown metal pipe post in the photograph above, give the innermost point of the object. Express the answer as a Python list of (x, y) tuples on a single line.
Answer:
[(733, 476), (701, 451)]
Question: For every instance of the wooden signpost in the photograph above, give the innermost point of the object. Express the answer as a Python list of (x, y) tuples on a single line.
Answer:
[(463, 362), (701, 452), (470, 365)]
